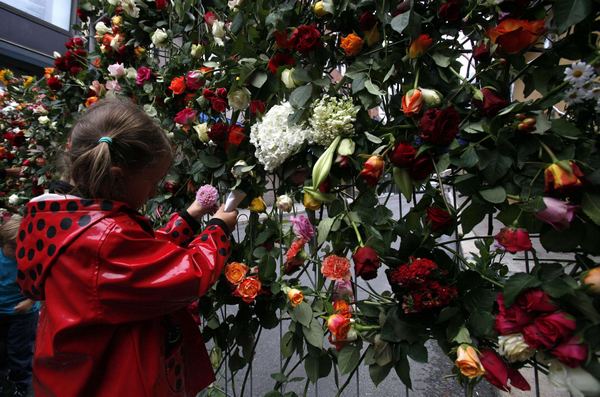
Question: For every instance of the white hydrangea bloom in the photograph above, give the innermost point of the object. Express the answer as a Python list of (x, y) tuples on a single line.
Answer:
[(275, 139), (332, 117), (514, 348), (579, 73)]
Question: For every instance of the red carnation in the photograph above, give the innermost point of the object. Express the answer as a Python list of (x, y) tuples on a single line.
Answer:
[(294, 257), (498, 373), (439, 126), (305, 38), (236, 135), (280, 59), (366, 263), (412, 274), (403, 155), (514, 239), (281, 39), (438, 218)]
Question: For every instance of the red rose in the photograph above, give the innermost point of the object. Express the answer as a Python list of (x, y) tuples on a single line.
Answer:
[(536, 300), (210, 18), (498, 373), (421, 168), (54, 83), (193, 80), (515, 35), (372, 170), (257, 106), (177, 85), (546, 331), (218, 104), (236, 135), (403, 155), (367, 21), (450, 10), (510, 320), (221, 92), (366, 263), (492, 103), (438, 218), (514, 239), (186, 116), (160, 4), (61, 64), (481, 53), (439, 126), (280, 59), (218, 132), (305, 38), (572, 353)]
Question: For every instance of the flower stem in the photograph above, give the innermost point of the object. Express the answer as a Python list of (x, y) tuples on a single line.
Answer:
[(549, 151)]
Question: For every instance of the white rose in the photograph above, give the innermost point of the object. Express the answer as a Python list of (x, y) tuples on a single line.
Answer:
[(202, 131), (346, 147), (576, 381), (43, 120), (150, 110), (288, 79), (197, 50), (284, 203), (159, 38), (218, 32), (432, 98), (102, 29), (13, 199), (234, 3), (514, 348), (130, 8), (239, 99), (131, 73), (115, 43), (116, 70)]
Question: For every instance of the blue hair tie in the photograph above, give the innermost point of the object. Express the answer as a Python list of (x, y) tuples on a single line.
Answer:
[(105, 139)]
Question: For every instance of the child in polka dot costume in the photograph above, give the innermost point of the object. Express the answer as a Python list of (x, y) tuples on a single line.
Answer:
[(114, 321)]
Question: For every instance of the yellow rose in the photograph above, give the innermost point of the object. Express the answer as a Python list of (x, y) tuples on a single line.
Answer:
[(295, 296), (311, 203), (468, 362), (257, 205)]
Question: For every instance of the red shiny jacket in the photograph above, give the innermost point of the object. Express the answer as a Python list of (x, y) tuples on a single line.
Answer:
[(114, 321)]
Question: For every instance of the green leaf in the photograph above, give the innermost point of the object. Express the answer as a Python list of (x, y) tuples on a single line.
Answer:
[(441, 60), (570, 12), (481, 323), (348, 358), (400, 22), (402, 369), (591, 206), (287, 344), (404, 182), (314, 334), (494, 195), (564, 128), (472, 216), (378, 374), (373, 88), (418, 352), (303, 314), (259, 79), (301, 95), (267, 271), (396, 330), (463, 336), (516, 284), (311, 366), (323, 229)]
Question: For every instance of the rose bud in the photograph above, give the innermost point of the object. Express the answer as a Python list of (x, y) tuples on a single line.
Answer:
[(498, 373), (468, 362), (491, 104), (557, 213), (412, 102), (366, 263), (572, 353), (591, 279), (170, 186), (295, 296), (346, 147), (342, 161), (419, 46), (514, 239), (514, 348), (235, 272), (310, 202), (342, 290), (403, 155), (432, 98), (481, 53), (438, 218), (372, 170), (352, 44), (284, 203), (562, 176)]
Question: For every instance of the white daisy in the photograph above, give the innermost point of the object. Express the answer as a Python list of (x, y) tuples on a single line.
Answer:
[(579, 73), (576, 95)]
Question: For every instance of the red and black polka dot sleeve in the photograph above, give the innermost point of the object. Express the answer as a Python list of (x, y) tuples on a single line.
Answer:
[(178, 230), (214, 243)]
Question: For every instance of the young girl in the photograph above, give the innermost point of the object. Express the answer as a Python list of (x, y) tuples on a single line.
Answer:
[(115, 321), (18, 318)]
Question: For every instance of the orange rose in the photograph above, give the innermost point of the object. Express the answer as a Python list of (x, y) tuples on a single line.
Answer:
[(514, 35), (177, 85), (90, 101), (372, 170), (352, 44), (468, 362), (248, 289), (336, 268), (295, 296), (591, 278), (339, 326), (139, 51), (419, 46), (235, 272), (412, 102), (342, 307), (560, 177), (48, 72)]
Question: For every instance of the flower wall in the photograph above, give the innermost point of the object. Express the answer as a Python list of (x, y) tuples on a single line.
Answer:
[(329, 104)]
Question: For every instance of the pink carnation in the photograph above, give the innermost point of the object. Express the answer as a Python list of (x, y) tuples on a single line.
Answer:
[(207, 196), (302, 227)]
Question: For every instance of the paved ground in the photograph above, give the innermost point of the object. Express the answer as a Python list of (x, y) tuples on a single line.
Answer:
[(433, 379)]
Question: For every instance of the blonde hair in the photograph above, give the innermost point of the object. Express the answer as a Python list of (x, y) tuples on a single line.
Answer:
[(10, 228), (137, 142)]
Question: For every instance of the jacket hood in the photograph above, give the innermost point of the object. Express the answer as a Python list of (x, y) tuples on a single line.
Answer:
[(51, 222)]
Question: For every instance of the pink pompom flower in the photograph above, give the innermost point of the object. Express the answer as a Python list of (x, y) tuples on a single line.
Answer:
[(207, 196)]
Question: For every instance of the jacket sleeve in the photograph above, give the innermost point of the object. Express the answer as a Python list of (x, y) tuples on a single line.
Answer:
[(139, 276), (180, 229)]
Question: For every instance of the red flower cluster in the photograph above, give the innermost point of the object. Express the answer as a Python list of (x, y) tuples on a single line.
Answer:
[(192, 81), (75, 58), (218, 99), (423, 291), (439, 126), (403, 156), (305, 38), (543, 325)]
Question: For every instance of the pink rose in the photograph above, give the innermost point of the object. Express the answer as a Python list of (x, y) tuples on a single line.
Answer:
[(557, 213), (185, 117), (143, 74)]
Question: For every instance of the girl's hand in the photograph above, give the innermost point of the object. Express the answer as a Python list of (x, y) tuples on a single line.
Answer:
[(230, 218), (197, 211), (23, 306)]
